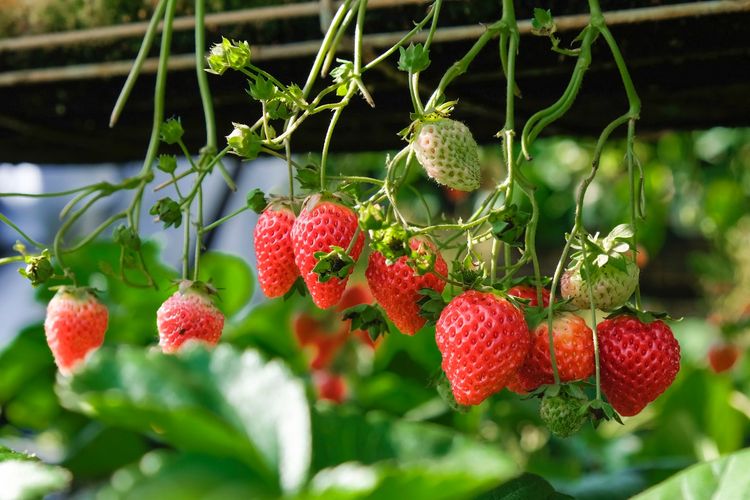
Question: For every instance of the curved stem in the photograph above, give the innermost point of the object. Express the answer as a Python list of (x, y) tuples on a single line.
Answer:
[(135, 70), (160, 88), (17, 229), (329, 135), (202, 77), (594, 335), (96, 232)]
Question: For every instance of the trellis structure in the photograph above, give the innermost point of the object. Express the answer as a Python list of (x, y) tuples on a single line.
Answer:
[(690, 61)]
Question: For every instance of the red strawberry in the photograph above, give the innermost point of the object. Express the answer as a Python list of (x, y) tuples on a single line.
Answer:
[(483, 340), (529, 293), (318, 228), (396, 287), (638, 360), (722, 357), (574, 352), (74, 326), (189, 314), (273, 249), (330, 386)]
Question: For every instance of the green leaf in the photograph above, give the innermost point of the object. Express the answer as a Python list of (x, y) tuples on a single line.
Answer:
[(725, 478), (525, 487), (171, 132), (221, 402), (187, 476), (232, 278), (400, 459), (414, 58), (168, 212), (25, 477)]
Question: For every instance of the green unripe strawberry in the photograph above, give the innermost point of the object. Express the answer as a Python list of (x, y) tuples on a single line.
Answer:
[(562, 414), (602, 270), (611, 287), (448, 153)]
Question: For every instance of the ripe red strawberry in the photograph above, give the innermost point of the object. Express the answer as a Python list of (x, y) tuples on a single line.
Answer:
[(321, 226), (483, 340), (574, 353), (722, 357), (448, 152), (74, 326), (396, 287), (638, 360), (189, 314), (273, 249), (529, 293), (330, 386)]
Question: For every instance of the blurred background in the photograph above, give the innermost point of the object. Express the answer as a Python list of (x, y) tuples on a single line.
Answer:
[(690, 63)]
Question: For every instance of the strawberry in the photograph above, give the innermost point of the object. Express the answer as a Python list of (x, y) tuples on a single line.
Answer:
[(448, 153), (574, 353), (74, 326), (562, 414), (608, 272), (529, 293), (483, 340), (330, 386), (722, 357), (273, 249), (320, 227), (396, 287), (638, 360), (189, 314)]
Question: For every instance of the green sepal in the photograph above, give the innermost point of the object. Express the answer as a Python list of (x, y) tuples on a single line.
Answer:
[(308, 176), (244, 142), (256, 200), (367, 317), (167, 163), (168, 212), (414, 58), (261, 89), (38, 268), (509, 224), (431, 304), (333, 264), (127, 237), (298, 287), (643, 316), (171, 131)]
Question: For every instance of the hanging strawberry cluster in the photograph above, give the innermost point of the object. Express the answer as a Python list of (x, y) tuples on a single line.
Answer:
[(495, 327)]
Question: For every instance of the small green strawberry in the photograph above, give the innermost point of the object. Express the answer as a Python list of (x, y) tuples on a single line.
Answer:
[(608, 272), (562, 414), (448, 153)]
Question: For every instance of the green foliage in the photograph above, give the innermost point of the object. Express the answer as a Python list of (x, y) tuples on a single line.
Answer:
[(723, 479), (25, 477), (414, 58)]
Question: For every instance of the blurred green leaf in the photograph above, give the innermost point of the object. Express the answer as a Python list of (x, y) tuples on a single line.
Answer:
[(25, 477), (726, 478), (231, 276), (187, 476), (220, 402), (409, 459), (523, 487)]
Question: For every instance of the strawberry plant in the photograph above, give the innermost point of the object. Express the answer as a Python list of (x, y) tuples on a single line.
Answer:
[(463, 299)]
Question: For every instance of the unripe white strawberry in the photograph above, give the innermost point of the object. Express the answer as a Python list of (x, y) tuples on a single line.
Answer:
[(448, 153)]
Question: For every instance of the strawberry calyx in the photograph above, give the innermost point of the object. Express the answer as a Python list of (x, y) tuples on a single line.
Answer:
[(613, 249), (79, 293), (204, 289), (369, 318), (643, 316), (431, 305)]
